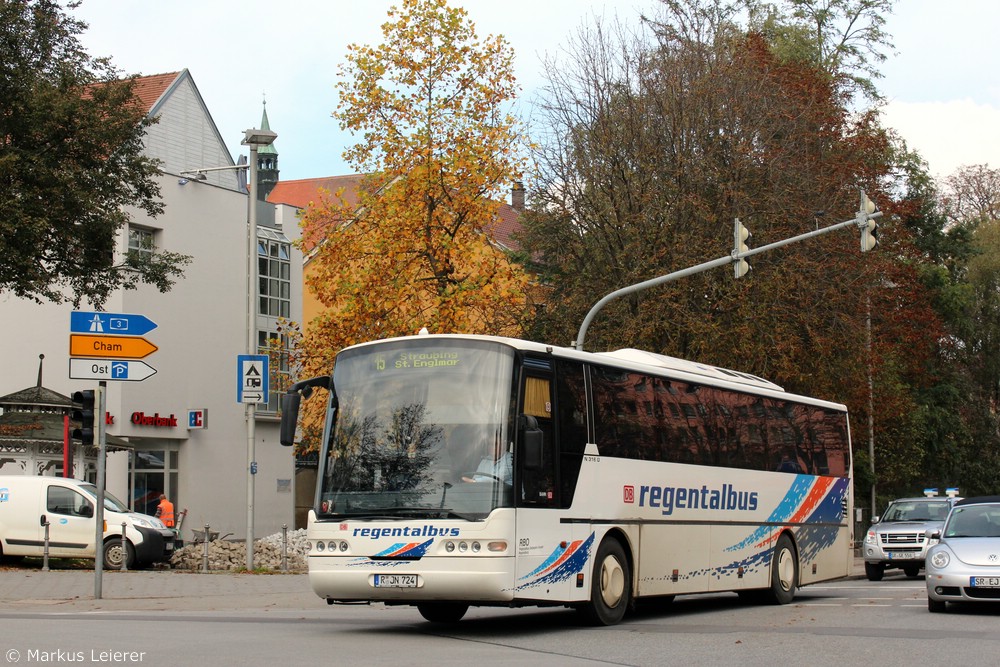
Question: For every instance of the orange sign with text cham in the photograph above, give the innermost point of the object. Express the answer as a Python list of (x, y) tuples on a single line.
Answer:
[(114, 347)]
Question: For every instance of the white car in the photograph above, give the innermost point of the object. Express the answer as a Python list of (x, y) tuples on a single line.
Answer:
[(965, 565)]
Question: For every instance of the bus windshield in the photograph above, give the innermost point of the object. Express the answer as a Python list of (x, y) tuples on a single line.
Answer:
[(422, 430)]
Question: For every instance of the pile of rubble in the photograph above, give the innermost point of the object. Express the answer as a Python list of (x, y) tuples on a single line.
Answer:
[(226, 555)]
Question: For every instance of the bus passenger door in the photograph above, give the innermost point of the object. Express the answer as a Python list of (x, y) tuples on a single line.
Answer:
[(541, 538), (536, 441)]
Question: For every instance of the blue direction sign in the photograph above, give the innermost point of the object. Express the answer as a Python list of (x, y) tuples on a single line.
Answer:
[(251, 378), (125, 324)]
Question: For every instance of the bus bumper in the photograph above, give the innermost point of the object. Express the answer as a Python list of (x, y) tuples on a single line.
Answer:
[(469, 579)]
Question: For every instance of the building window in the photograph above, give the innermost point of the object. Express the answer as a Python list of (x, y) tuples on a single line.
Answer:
[(275, 346), (274, 304), (140, 241), (154, 472), (274, 270)]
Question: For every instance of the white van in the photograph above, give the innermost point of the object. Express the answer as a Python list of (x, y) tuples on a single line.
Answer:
[(28, 502)]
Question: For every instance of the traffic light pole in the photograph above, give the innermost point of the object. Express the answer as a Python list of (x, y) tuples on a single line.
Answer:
[(101, 441), (860, 221)]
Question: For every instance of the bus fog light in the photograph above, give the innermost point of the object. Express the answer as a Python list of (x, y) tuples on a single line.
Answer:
[(320, 546), (343, 546), (463, 547), (332, 546), (476, 547), (496, 546), (449, 546)]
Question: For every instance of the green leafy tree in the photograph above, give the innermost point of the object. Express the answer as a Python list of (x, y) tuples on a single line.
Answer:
[(844, 38), (71, 162)]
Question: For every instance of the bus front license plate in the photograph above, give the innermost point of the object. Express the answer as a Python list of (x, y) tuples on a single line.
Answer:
[(985, 582), (395, 581)]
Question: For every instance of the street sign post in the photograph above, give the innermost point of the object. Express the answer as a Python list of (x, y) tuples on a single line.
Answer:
[(252, 378), (109, 369)]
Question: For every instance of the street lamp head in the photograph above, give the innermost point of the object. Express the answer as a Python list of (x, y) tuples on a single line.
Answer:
[(256, 138)]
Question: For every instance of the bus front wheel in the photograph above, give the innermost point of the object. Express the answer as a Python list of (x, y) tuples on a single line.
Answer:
[(610, 586), (784, 572), (443, 612)]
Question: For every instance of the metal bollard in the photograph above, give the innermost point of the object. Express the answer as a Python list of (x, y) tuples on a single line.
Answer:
[(45, 549), (204, 553), (284, 547), (124, 550)]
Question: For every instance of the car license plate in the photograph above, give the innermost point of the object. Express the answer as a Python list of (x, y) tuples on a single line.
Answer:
[(891, 555), (395, 581), (985, 582)]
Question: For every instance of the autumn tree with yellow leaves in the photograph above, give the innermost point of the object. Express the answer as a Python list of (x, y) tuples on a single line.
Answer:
[(431, 107)]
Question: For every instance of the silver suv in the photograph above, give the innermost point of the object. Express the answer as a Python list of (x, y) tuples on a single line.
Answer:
[(899, 538)]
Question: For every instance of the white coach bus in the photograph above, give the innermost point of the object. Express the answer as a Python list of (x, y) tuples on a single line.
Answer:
[(473, 470)]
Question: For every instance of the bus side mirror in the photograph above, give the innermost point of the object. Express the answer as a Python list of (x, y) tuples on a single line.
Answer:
[(289, 417), (86, 511), (532, 441), (290, 406), (42, 521)]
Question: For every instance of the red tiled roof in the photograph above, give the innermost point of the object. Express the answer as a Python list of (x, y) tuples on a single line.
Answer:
[(149, 89), (506, 225), (303, 192)]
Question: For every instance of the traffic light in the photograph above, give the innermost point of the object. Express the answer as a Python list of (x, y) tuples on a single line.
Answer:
[(740, 236), (869, 230), (85, 415)]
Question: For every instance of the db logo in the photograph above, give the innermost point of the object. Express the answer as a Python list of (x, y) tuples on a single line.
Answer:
[(628, 494)]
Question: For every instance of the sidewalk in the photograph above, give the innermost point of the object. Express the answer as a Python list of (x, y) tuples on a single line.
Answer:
[(154, 590), (168, 590)]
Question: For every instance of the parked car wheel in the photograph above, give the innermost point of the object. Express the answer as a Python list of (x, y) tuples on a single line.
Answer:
[(113, 554), (936, 606)]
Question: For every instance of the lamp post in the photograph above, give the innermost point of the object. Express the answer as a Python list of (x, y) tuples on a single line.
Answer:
[(254, 139)]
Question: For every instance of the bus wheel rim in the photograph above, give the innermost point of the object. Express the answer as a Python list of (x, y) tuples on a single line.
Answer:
[(786, 569), (612, 582)]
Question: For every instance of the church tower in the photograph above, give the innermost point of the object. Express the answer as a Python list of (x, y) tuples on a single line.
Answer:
[(267, 163)]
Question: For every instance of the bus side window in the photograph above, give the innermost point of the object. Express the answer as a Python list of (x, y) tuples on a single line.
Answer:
[(538, 484), (571, 426)]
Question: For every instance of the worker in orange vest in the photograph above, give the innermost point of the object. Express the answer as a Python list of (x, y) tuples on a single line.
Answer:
[(165, 511)]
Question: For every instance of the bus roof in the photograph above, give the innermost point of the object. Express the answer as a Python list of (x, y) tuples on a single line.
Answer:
[(638, 360), (673, 363)]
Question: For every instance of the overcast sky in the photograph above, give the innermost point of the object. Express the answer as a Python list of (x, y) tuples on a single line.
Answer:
[(942, 84)]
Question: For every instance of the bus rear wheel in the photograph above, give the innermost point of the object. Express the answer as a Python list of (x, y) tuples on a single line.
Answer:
[(784, 572), (443, 612), (610, 586)]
